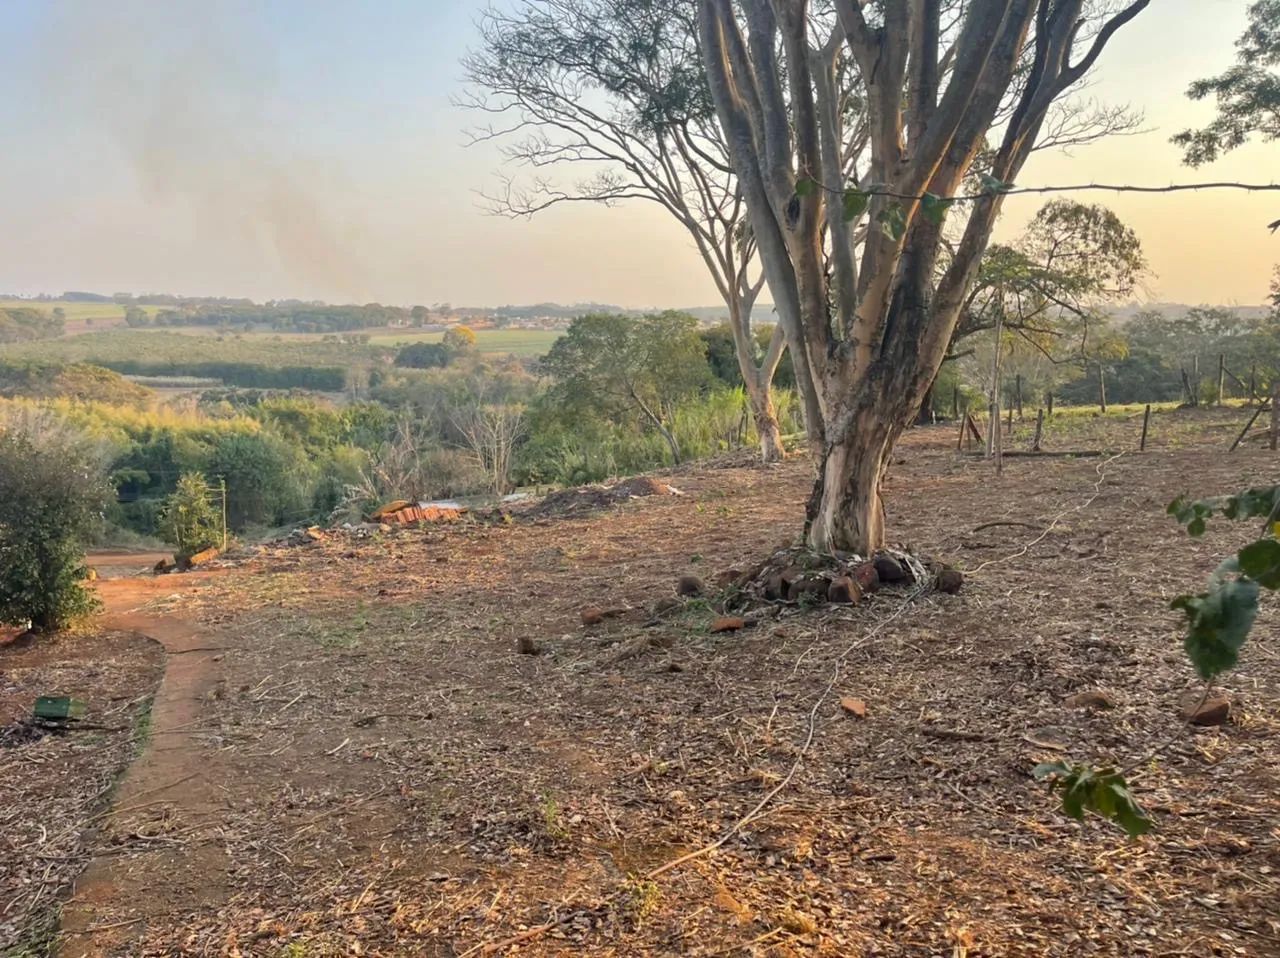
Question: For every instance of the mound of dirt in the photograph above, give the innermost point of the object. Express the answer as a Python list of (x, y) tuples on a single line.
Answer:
[(584, 500)]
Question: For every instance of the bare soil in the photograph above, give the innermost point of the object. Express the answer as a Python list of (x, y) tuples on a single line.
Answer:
[(376, 769), (58, 784)]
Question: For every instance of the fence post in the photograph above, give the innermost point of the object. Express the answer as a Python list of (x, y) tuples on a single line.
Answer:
[(1018, 393), (222, 488), (1222, 378), (1275, 414), (1035, 444), (1146, 420), (1049, 402)]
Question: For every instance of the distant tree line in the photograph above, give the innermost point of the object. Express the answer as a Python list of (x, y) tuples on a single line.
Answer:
[(250, 375)]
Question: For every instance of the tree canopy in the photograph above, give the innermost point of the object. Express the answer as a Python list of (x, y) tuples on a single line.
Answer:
[(1247, 94)]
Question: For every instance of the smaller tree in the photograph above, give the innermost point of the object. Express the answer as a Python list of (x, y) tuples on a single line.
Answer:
[(424, 356), (136, 318), (459, 339), (189, 521), (616, 363), (491, 433), (53, 491)]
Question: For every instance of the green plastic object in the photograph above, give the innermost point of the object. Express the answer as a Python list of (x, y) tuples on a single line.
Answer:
[(59, 707)]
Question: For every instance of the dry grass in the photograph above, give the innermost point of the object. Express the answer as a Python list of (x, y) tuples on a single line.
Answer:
[(396, 779)]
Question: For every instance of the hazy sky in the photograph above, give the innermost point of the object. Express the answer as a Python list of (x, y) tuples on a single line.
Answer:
[(309, 148)]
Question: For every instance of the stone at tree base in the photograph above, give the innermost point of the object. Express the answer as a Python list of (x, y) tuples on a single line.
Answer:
[(1216, 709), (844, 590), (689, 586), (949, 580), (728, 623), (1090, 699), (865, 574), (808, 587), (889, 569)]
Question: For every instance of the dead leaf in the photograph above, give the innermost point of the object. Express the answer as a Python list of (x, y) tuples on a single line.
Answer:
[(855, 707)]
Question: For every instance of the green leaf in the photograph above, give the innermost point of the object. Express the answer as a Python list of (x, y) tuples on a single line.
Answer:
[(855, 204), (1104, 792), (935, 208), (806, 186), (893, 221), (1218, 622), (1260, 561), (993, 185)]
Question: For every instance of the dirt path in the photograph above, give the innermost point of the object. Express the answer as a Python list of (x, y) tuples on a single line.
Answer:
[(167, 792)]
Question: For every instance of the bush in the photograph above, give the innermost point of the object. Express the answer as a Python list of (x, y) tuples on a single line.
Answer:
[(189, 521), (52, 494)]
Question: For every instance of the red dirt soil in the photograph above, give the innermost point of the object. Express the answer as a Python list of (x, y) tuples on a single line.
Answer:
[(368, 765)]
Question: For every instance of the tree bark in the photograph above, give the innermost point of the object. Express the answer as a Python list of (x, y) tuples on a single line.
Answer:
[(765, 417), (758, 381), (846, 512)]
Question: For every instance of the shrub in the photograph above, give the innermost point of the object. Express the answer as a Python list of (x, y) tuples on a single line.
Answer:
[(52, 494), (189, 521)]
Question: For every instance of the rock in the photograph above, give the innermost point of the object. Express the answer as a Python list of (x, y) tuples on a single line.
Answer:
[(314, 534), (865, 574), (949, 580), (690, 586), (593, 616), (728, 623), (810, 588), (844, 590), (526, 646), (889, 569), (855, 707), (1215, 710), (1090, 699), (163, 567)]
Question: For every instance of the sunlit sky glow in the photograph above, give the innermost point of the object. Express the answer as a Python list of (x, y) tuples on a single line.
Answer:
[(310, 149)]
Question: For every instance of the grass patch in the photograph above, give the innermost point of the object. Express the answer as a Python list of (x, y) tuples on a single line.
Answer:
[(513, 342)]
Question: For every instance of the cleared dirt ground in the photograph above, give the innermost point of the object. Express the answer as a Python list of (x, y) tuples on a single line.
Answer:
[(365, 764)]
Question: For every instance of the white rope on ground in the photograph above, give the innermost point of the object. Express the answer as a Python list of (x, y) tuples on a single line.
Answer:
[(924, 583), (1100, 469)]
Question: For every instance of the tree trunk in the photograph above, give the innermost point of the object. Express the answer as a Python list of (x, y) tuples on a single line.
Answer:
[(766, 419), (845, 511), (925, 416), (758, 380)]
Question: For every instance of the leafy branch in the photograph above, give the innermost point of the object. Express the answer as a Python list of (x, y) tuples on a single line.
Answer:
[(1219, 620)]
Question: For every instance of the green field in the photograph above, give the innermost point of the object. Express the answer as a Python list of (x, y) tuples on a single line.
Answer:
[(161, 346), (78, 314), (516, 342)]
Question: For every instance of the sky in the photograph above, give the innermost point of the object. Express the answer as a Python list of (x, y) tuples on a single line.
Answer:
[(313, 149)]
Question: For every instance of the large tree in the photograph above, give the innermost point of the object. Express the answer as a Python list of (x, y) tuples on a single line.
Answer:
[(947, 100), (605, 102), (1247, 94)]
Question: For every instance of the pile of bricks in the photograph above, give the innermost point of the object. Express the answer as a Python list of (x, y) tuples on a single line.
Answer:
[(403, 513)]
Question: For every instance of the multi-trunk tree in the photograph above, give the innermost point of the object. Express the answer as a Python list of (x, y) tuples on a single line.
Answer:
[(850, 234), (606, 102)]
